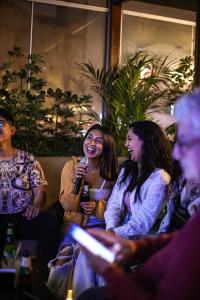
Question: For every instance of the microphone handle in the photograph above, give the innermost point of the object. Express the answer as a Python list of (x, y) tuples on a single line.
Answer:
[(77, 185)]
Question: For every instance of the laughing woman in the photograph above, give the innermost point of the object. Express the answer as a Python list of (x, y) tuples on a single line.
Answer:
[(142, 186), (100, 174)]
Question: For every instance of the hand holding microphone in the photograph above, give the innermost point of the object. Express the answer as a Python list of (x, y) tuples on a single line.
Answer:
[(80, 172)]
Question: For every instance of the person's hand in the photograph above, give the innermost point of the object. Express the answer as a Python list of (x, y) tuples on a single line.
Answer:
[(80, 170), (123, 249), (31, 212), (98, 264), (88, 207)]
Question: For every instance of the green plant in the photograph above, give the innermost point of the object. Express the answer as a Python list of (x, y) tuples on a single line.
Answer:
[(142, 84), (42, 128)]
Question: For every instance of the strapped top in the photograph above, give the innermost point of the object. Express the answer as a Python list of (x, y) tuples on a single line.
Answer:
[(103, 183)]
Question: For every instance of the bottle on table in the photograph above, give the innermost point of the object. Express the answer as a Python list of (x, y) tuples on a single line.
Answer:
[(25, 272), (9, 251), (25, 263)]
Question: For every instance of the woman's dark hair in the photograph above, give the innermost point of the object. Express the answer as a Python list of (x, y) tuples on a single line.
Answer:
[(108, 159), (156, 153)]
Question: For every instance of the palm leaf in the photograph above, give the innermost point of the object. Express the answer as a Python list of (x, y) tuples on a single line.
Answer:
[(129, 95)]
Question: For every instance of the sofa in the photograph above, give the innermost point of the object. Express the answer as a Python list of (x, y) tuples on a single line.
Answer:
[(52, 167)]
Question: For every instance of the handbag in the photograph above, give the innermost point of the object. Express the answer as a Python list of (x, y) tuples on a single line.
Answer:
[(61, 271)]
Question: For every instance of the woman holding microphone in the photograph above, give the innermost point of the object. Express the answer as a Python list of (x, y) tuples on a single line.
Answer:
[(100, 173), (97, 171)]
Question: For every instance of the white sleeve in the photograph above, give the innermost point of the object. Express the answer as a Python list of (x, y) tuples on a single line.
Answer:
[(154, 192), (114, 206)]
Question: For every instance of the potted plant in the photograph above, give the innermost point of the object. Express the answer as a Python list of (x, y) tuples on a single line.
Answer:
[(49, 121), (143, 83)]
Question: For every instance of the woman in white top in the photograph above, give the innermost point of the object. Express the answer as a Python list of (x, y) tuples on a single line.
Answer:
[(141, 190)]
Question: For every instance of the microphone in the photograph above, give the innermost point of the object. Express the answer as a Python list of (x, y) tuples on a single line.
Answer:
[(78, 180)]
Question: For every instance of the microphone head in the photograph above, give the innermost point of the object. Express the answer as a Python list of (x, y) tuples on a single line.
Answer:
[(84, 161)]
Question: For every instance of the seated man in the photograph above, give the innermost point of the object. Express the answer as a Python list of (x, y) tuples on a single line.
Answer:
[(172, 262), (22, 196), (183, 203)]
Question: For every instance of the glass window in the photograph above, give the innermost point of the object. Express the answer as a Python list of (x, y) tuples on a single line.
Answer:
[(14, 26), (101, 3), (160, 37), (66, 36)]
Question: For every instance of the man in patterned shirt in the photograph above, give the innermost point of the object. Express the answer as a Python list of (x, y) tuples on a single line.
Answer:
[(22, 196)]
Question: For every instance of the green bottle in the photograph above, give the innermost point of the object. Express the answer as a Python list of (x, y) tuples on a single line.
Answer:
[(25, 273), (25, 263), (9, 251)]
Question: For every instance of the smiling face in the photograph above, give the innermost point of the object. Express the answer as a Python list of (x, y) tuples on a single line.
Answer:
[(93, 144), (134, 146)]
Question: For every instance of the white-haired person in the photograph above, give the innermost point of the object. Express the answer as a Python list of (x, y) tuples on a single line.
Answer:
[(171, 262)]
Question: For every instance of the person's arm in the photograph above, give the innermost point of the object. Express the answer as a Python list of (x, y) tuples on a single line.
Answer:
[(170, 274), (38, 203), (68, 200), (40, 196), (113, 212), (145, 212), (126, 250), (134, 250), (37, 184)]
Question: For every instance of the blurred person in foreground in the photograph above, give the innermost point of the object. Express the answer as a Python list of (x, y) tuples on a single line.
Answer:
[(22, 197), (171, 261)]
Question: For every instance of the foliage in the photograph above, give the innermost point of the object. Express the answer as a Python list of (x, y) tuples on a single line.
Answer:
[(42, 128), (142, 84)]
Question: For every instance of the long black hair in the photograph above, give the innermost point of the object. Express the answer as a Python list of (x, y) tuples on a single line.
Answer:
[(156, 153), (108, 159)]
